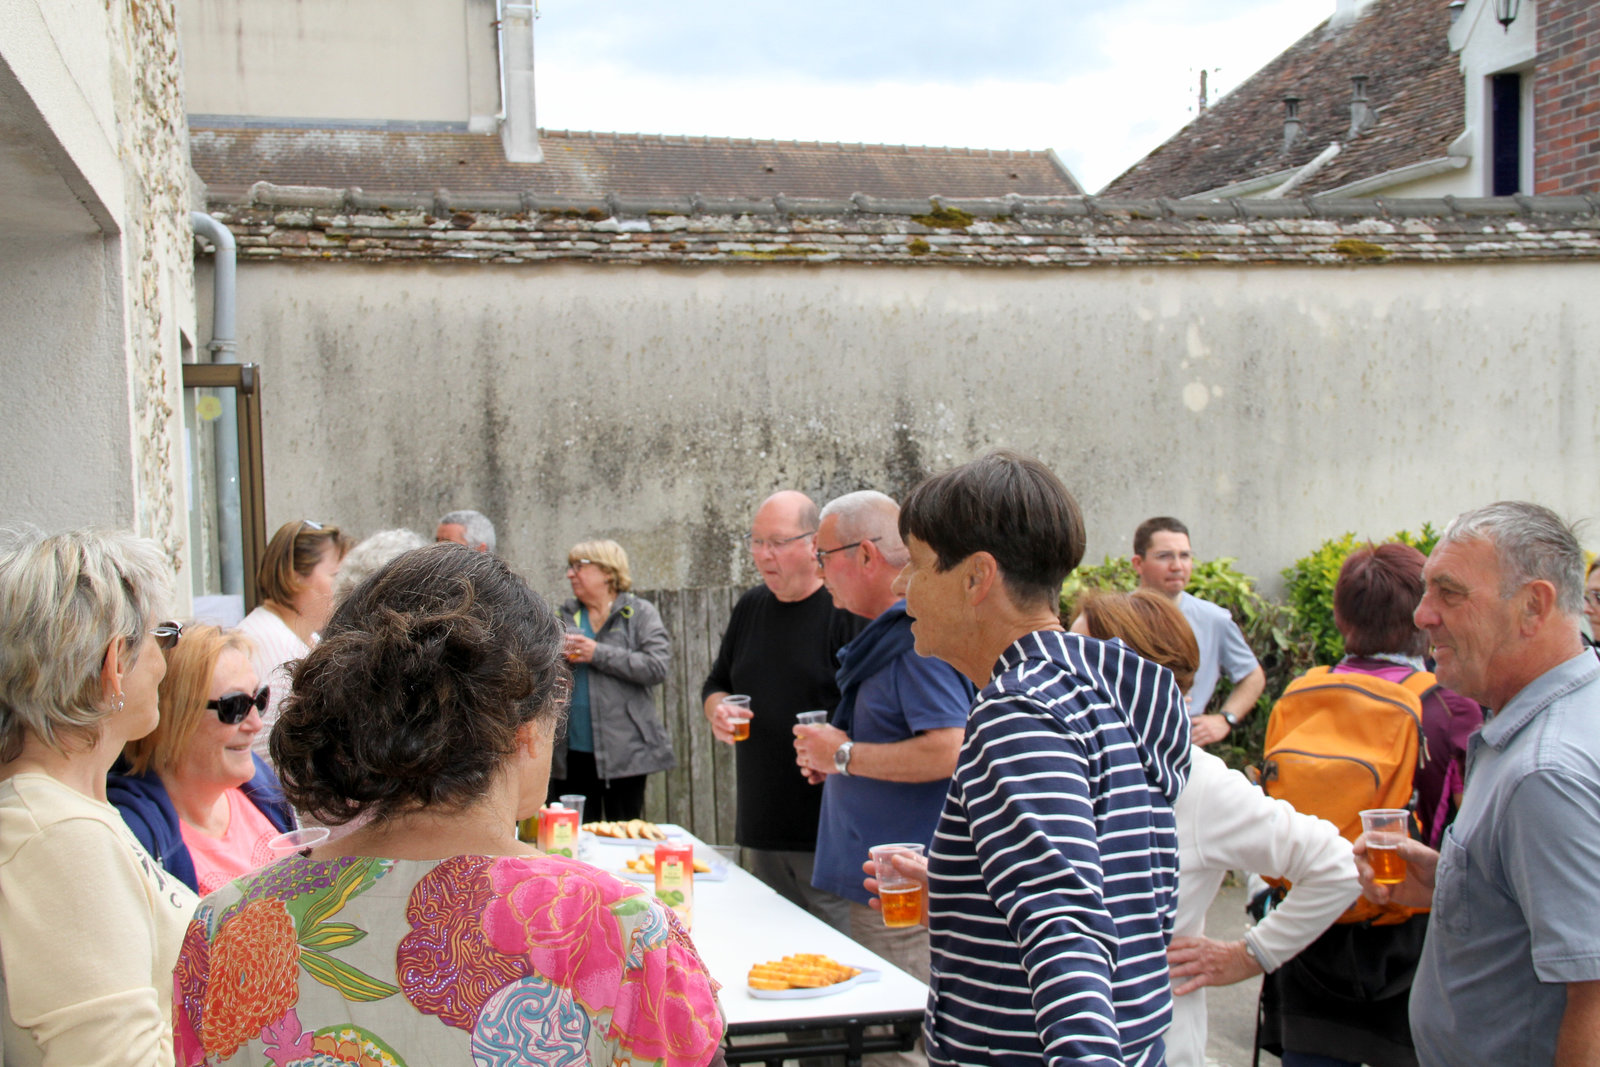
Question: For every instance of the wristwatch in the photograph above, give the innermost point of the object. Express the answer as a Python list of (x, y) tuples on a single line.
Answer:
[(1230, 718), (841, 758)]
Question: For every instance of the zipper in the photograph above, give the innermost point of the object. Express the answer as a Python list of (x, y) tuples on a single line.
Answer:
[(1377, 782), (1416, 720)]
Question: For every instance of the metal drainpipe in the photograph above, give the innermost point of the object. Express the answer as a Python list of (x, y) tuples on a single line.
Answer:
[(224, 349)]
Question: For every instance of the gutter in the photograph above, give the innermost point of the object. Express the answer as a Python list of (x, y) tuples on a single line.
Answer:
[(223, 348), (1399, 176)]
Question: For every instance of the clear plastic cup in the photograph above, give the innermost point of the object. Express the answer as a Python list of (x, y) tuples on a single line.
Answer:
[(287, 844), (812, 718), (739, 714)]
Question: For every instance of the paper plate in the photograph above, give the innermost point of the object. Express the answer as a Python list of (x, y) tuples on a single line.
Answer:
[(867, 975)]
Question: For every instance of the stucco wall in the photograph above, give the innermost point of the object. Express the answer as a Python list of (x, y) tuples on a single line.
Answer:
[(1269, 407), (95, 254), (417, 60)]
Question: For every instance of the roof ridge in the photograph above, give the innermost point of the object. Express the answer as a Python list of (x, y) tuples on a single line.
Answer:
[(759, 142)]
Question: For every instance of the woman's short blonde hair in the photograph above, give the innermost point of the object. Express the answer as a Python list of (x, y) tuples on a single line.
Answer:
[(610, 557), (292, 554), (63, 601), (183, 694)]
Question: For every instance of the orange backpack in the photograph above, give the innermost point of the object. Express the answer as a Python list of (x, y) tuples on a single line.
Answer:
[(1338, 744)]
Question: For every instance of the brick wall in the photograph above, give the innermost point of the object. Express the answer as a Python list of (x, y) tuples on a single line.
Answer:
[(1566, 98)]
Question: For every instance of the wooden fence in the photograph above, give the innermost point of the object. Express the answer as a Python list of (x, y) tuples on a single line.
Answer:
[(699, 792)]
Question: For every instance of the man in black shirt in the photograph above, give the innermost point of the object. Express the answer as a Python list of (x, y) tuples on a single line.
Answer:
[(781, 649)]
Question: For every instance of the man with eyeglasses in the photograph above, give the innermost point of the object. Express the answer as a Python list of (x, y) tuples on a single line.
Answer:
[(886, 755), (781, 650)]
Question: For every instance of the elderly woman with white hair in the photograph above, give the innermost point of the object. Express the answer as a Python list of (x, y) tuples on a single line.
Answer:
[(368, 558), (90, 925)]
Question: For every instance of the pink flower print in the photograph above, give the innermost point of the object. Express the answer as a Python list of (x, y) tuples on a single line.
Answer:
[(446, 965), (285, 1041), (556, 913), (667, 1010)]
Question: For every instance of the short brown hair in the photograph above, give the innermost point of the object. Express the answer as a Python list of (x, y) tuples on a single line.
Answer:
[(292, 554), (1150, 527), (1376, 593), (1008, 505), (1149, 624), (415, 695), (609, 557), (183, 695)]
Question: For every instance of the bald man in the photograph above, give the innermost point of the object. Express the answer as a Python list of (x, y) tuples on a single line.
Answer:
[(781, 650)]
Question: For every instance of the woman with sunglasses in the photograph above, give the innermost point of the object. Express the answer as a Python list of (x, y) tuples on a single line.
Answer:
[(90, 925), (192, 791), (295, 584)]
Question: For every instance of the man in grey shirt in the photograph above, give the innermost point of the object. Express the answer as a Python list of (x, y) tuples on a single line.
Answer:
[(1510, 971)]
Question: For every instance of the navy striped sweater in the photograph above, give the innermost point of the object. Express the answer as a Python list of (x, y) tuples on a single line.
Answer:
[(1053, 876)]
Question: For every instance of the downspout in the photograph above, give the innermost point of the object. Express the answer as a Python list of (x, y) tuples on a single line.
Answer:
[(224, 349)]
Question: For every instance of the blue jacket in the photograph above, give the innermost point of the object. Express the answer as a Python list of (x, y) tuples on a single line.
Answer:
[(147, 809)]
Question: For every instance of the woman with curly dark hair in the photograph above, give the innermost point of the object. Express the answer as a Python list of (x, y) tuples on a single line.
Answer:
[(429, 933)]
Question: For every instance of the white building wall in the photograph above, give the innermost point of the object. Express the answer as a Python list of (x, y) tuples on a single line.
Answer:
[(95, 253), (1269, 407), (408, 60)]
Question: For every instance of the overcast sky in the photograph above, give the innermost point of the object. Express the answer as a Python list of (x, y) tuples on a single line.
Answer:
[(1100, 81)]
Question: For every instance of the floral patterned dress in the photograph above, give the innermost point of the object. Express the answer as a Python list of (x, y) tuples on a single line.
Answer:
[(491, 961)]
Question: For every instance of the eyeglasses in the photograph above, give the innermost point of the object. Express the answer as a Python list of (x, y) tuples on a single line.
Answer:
[(167, 635), (306, 524), (824, 553), (754, 543), (1592, 596), (234, 708), (575, 564)]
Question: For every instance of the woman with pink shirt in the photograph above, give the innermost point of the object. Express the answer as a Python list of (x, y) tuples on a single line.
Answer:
[(295, 583), (194, 794)]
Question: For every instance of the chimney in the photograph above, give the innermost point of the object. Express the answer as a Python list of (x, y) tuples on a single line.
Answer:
[(519, 133), (1291, 121), (1362, 116)]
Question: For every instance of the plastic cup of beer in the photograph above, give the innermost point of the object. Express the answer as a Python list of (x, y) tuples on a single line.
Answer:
[(900, 894), (287, 844), (739, 715), (812, 718), (1385, 828)]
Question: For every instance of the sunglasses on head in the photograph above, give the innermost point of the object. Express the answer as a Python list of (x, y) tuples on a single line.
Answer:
[(167, 635), (234, 708)]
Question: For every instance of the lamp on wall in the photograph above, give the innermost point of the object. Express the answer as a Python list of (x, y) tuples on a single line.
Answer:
[(1505, 12)]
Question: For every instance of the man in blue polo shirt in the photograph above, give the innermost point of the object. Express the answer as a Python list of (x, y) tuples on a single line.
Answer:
[(1510, 970), (885, 758)]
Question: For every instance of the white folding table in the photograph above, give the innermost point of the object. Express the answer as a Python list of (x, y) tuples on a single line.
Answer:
[(740, 922)]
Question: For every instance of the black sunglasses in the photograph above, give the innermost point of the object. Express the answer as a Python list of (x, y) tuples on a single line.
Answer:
[(234, 708), (167, 635)]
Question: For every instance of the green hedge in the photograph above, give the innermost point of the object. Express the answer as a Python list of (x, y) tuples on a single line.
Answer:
[(1288, 638)]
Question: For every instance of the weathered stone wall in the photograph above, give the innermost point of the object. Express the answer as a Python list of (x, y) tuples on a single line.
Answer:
[(1270, 406), (157, 253)]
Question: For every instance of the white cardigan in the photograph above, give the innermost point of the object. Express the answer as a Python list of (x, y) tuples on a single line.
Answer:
[(1227, 824)]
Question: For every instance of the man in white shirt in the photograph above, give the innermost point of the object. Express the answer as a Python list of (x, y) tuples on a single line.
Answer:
[(1164, 560)]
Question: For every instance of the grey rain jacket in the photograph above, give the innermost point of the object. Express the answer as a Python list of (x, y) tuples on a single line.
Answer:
[(631, 653)]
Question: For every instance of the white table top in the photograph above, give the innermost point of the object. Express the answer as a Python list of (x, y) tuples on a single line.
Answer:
[(741, 922)]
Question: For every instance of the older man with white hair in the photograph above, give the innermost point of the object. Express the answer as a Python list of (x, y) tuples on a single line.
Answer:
[(1510, 970), (467, 527), (886, 756)]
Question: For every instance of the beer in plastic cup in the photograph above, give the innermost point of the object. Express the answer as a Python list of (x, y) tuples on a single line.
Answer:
[(739, 716), (900, 895), (1385, 828), (812, 718)]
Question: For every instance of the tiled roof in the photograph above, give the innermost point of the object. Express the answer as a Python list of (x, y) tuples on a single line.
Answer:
[(1415, 83), (232, 156), (339, 225)]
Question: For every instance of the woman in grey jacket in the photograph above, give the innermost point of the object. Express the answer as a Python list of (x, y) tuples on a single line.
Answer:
[(618, 649)]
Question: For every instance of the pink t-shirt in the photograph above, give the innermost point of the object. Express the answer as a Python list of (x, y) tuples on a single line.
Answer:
[(241, 849)]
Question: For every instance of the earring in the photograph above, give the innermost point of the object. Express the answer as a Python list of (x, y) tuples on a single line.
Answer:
[(116, 703)]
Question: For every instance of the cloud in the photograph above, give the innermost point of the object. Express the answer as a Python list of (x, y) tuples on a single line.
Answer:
[(1102, 82)]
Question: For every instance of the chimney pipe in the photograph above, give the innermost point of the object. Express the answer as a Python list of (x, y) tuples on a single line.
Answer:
[(1361, 115), (1291, 121)]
